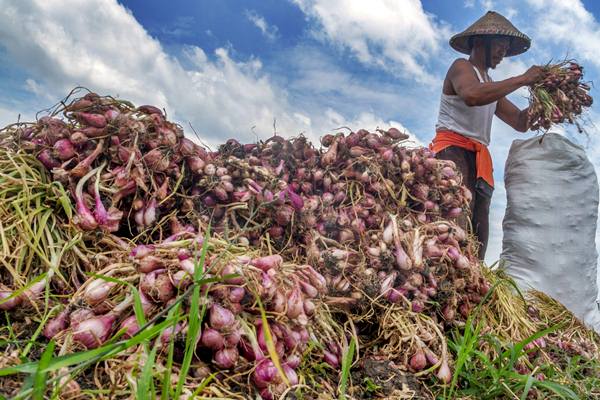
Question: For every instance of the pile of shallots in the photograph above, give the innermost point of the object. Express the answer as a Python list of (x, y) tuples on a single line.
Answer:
[(367, 222), (233, 335), (120, 162)]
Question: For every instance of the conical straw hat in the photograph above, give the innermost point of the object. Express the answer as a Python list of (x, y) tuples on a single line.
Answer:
[(495, 24)]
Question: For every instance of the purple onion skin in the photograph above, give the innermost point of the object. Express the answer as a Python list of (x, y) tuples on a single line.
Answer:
[(130, 325), (93, 332), (64, 149), (226, 358), (291, 374), (220, 317), (331, 359), (264, 373), (212, 339), (418, 361), (9, 304), (56, 325), (268, 262), (48, 160)]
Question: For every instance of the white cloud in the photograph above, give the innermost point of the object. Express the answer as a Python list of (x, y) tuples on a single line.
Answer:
[(511, 12), (397, 36), (218, 96), (14, 114), (318, 73), (111, 53), (569, 25), (182, 26), (269, 31), (469, 3), (510, 67), (487, 4), (37, 89)]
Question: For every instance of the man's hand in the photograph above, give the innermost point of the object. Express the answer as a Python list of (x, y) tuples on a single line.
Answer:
[(532, 75)]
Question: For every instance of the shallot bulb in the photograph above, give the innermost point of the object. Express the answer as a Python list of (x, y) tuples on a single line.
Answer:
[(212, 339), (9, 304), (97, 291), (130, 325), (264, 373), (418, 360), (56, 325), (226, 358), (93, 332), (220, 317), (444, 374)]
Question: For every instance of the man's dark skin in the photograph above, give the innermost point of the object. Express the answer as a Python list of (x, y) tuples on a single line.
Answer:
[(461, 80)]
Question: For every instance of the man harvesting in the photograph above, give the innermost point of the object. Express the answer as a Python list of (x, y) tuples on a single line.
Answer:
[(469, 101)]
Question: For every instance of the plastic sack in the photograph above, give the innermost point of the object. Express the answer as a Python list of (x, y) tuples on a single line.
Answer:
[(550, 223)]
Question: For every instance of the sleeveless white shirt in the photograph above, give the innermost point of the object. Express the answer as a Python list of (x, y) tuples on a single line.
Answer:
[(474, 122)]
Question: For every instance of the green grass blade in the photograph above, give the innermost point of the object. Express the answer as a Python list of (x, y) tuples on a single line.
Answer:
[(145, 380), (175, 315), (562, 391), (39, 379), (528, 385), (203, 384), (346, 364), (465, 349), (195, 317), (166, 380), (137, 306), (89, 356), (517, 350)]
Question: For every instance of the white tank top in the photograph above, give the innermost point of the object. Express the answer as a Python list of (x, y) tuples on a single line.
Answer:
[(474, 122)]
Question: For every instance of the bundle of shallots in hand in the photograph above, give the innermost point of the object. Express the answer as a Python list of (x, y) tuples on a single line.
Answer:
[(559, 95)]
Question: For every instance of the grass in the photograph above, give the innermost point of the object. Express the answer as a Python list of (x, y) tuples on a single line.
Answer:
[(39, 372), (486, 366), (194, 318), (347, 359), (476, 374)]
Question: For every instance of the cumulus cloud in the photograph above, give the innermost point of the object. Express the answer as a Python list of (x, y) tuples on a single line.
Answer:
[(14, 114), (182, 26), (268, 31), (218, 96), (487, 4), (111, 53), (568, 24), (510, 67), (397, 36)]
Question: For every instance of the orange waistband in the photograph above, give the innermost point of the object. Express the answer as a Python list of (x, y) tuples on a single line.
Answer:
[(483, 158)]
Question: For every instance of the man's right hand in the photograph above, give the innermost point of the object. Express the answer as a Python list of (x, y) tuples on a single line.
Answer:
[(532, 75)]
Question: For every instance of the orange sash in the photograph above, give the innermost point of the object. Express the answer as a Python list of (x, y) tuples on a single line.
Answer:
[(483, 158)]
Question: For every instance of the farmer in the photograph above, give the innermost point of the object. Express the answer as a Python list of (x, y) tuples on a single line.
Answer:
[(469, 101)]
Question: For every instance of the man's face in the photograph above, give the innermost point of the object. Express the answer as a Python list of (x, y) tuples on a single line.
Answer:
[(498, 49)]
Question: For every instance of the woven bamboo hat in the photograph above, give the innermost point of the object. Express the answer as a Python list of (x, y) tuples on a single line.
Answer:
[(492, 24)]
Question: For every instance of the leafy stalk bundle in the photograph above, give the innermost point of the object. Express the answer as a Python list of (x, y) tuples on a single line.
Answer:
[(558, 96)]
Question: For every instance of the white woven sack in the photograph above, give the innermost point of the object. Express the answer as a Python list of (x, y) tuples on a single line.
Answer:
[(550, 222)]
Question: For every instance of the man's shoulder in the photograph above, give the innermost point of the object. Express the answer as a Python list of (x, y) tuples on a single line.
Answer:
[(460, 63)]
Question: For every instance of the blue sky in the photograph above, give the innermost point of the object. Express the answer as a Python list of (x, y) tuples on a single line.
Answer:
[(230, 68)]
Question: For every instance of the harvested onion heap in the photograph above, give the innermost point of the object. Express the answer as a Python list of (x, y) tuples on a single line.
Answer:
[(373, 219), (372, 216), (559, 96), (233, 337), (119, 162), (362, 224)]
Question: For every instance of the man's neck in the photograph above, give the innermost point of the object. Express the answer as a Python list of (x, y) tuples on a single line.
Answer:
[(479, 63)]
